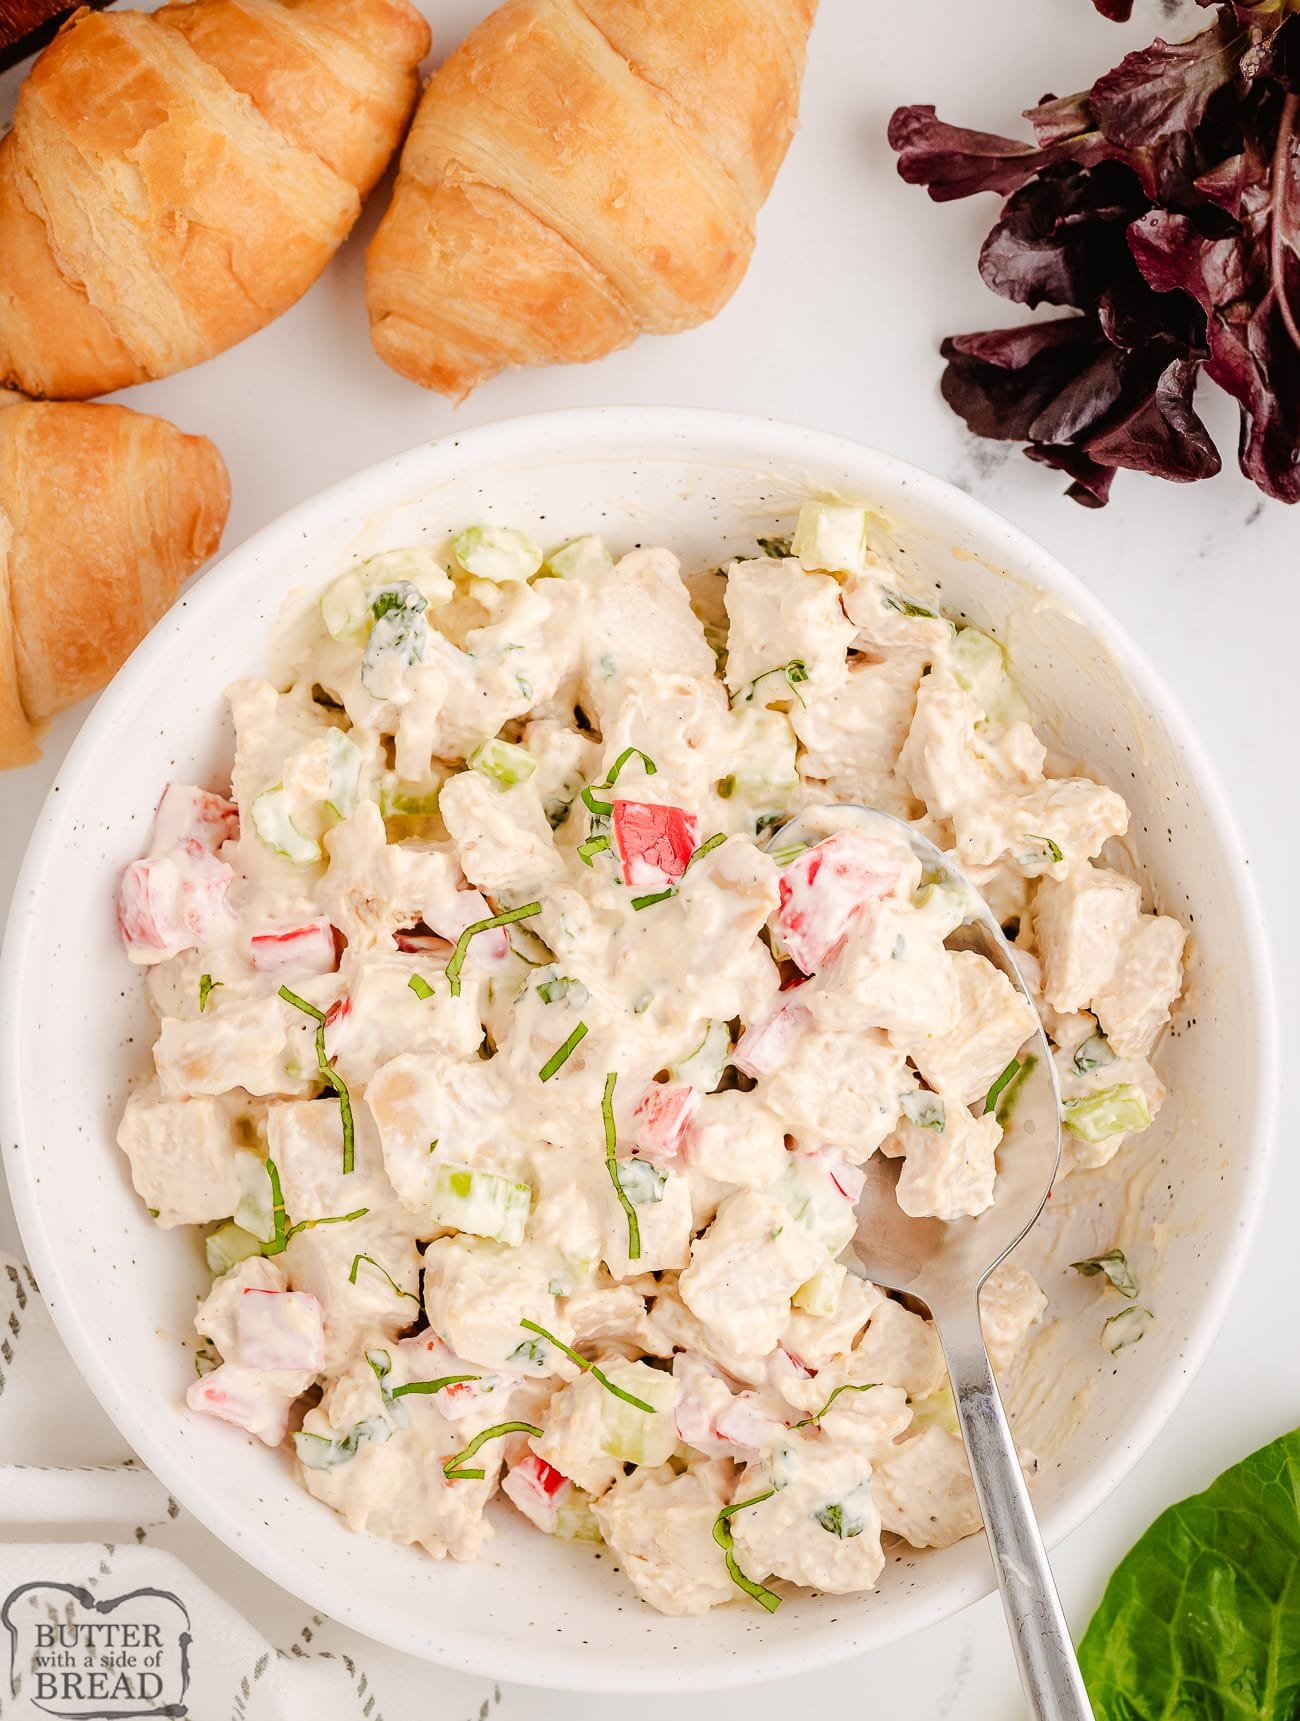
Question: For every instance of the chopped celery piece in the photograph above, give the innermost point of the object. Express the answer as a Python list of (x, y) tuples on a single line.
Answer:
[(273, 822), (345, 609), (503, 761), (904, 605), (813, 1201), (481, 1202), (936, 1410), (925, 1110), (574, 1519), (1093, 1054), (1114, 1111), (641, 1182), (820, 1295), (584, 558), (405, 800), (831, 535), (1125, 1328), (702, 1068), (979, 666), (255, 1212), (343, 758), (627, 1433), (230, 1244), (496, 553), (415, 566)]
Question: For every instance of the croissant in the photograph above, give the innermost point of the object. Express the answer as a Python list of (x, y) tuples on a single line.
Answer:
[(175, 180), (103, 513), (580, 171)]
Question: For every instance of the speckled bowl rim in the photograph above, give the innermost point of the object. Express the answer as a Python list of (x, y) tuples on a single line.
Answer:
[(539, 437)]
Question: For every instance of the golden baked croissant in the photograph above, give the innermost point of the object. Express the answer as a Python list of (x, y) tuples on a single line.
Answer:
[(103, 513), (580, 171), (175, 180)]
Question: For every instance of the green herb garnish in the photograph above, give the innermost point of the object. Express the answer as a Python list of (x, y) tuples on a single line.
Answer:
[(552, 991), (1053, 849), (429, 1386), (1003, 1094), (452, 1468), (833, 1520), (777, 548), (590, 793), (458, 955), (795, 673), (848, 1386), (723, 1537), (562, 1053), (905, 606), (589, 1368), (207, 986), (1114, 1264), (611, 1166), (371, 1262), (1093, 1054), (592, 846), (420, 986), (639, 902), (330, 1219), (331, 1075)]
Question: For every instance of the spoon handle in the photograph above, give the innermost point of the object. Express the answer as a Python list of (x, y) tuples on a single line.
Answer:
[(1049, 1669)]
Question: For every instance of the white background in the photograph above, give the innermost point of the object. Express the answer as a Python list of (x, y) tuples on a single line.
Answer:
[(855, 280)]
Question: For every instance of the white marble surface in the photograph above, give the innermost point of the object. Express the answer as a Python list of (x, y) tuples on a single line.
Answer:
[(855, 280)]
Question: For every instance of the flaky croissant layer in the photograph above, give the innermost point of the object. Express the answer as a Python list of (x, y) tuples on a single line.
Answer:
[(174, 180), (578, 172), (104, 512)]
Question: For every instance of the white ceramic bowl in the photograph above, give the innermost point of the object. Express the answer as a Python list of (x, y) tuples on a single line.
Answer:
[(74, 1029)]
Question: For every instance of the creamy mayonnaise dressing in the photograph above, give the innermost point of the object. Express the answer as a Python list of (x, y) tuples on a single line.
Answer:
[(526, 1074)]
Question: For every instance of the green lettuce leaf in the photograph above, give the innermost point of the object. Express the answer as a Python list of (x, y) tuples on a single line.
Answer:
[(1201, 1621)]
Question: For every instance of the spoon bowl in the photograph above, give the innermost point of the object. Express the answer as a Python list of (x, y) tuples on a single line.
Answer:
[(943, 1264)]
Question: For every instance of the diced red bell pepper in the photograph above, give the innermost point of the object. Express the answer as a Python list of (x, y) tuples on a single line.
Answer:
[(185, 811), (252, 1400), (661, 1120), (172, 902), (279, 1330), (762, 1047), (307, 947), (654, 843), (824, 890), (538, 1489)]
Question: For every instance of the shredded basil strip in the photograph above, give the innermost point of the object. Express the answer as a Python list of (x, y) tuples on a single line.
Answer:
[(452, 1468), (593, 789), (207, 986), (726, 1541), (431, 1385), (330, 1219), (611, 1166), (370, 1261), (778, 549), (848, 1386), (562, 1053), (639, 902), (589, 1368), (420, 986), (1114, 1264), (1000, 1086), (795, 672), (832, 1520), (1053, 848), (458, 955), (590, 847), (905, 606), (281, 1236), (331, 1075)]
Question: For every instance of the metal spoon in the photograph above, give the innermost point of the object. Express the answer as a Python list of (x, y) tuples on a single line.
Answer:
[(943, 1265)]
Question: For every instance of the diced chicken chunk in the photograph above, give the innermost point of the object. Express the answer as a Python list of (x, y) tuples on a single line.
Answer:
[(780, 614), (505, 843), (994, 1019), (821, 1528), (660, 1524), (745, 1269), (924, 1490), (182, 1155), (948, 1173), (1011, 1302)]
